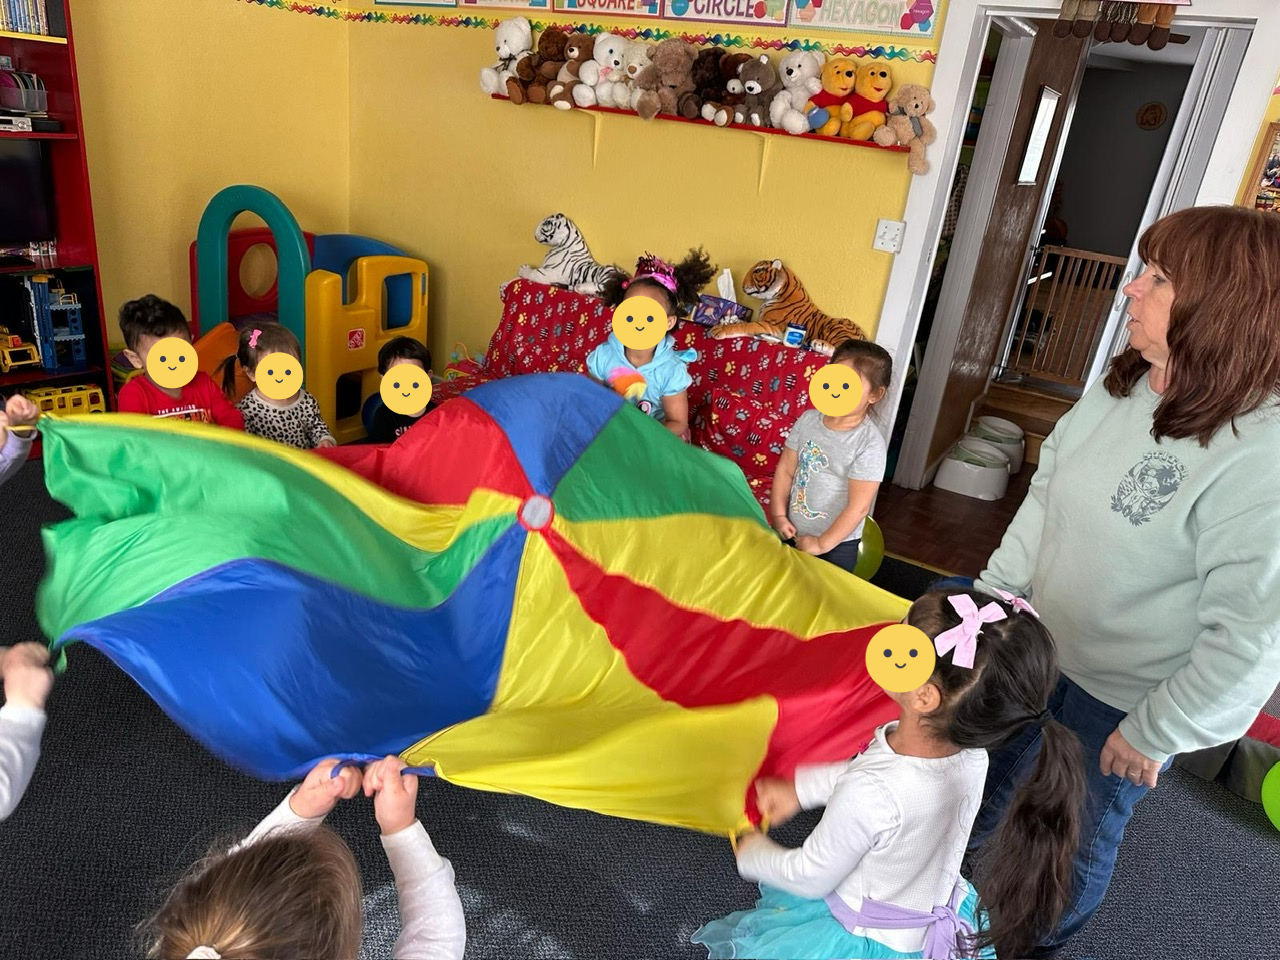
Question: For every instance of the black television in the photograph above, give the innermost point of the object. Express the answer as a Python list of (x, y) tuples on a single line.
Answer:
[(26, 208)]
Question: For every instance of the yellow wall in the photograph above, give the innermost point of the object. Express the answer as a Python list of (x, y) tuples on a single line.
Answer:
[(462, 181), (184, 97), (1273, 114)]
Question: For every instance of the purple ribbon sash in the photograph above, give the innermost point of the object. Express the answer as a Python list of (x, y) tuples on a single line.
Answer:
[(943, 924)]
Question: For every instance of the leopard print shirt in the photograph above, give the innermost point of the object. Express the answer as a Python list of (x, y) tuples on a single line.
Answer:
[(297, 425)]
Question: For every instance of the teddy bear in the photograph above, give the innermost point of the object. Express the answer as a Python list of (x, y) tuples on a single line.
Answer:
[(708, 83), (601, 76), (577, 51), (721, 110), (759, 85), (667, 78), (827, 109), (534, 74), (800, 73), (907, 124), (634, 60), (868, 102), (512, 41)]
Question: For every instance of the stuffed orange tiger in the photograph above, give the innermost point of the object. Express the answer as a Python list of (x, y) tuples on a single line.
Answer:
[(785, 301)]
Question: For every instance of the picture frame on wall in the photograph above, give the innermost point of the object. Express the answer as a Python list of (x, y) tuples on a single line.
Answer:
[(544, 5), (760, 12), (907, 20), (1263, 192), (645, 9), (415, 3)]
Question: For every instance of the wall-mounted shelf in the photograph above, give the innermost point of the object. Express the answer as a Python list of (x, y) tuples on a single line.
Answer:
[(844, 141), (36, 135), (32, 37)]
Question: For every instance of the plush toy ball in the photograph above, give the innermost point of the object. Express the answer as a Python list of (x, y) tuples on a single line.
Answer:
[(871, 555), (1271, 795)]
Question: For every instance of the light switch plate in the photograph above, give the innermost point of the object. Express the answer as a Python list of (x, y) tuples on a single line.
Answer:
[(889, 236)]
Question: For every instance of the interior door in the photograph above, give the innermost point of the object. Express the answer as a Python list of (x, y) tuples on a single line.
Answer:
[(1015, 214)]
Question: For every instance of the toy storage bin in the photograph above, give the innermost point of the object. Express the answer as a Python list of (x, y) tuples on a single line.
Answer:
[(975, 469), (1004, 434)]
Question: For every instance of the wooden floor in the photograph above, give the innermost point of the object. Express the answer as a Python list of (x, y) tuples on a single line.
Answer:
[(948, 532)]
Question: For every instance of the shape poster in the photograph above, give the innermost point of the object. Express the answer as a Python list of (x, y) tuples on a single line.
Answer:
[(415, 3), (729, 11), (506, 4), (647, 9), (906, 19)]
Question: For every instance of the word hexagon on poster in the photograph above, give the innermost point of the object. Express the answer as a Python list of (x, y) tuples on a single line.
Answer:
[(900, 18)]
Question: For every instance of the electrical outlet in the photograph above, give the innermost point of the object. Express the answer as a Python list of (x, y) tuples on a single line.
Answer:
[(889, 235)]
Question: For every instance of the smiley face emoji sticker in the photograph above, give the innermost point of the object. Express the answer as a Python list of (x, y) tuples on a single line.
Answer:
[(406, 389), (171, 363), (640, 323), (278, 376), (835, 390), (900, 658)]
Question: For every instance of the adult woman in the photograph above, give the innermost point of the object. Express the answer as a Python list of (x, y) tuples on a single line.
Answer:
[(1150, 540)]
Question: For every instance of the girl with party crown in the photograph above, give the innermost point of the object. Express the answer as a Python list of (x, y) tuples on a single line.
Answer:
[(879, 876), (657, 379)]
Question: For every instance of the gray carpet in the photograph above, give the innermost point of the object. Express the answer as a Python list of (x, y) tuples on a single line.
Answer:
[(123, 801)]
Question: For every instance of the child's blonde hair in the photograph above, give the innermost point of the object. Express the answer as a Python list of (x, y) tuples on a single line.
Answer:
[(292, 894)]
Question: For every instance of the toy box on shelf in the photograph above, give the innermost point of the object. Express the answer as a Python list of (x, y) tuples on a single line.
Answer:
[(79, 398), (15, 353)]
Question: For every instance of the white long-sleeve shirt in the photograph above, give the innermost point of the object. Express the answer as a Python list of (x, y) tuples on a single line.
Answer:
[(14, 451), (895, 830), (432, 925), (20, 731)]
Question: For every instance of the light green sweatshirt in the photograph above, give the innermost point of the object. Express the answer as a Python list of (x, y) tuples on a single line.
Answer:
[(1156, 567)]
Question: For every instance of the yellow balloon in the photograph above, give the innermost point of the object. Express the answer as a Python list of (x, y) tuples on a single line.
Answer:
[(640, 323), (835, 390), (171, 363), (900, 658)]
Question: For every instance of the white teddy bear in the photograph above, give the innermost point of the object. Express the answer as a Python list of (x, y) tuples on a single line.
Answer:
[(512, 41), (634, 60), (601, 77), (801, 76)]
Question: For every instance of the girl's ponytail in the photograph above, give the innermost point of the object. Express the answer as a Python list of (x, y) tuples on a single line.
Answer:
[(226, 371), (1028, 885)]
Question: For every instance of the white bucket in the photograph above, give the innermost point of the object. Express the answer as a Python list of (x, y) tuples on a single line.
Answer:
[(1004, 434), (974, 468)]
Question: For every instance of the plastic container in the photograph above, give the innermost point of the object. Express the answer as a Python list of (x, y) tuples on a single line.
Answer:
[(974, 468), (1006, 435), (794, 336)]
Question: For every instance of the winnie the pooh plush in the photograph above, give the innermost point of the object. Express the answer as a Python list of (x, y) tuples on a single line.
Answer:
[(601, 76), (759, 84), (869, 110), (534, 74), (908, 126), (830, 107), (666, 79), (576, 52), (800, 73), (512, 41)]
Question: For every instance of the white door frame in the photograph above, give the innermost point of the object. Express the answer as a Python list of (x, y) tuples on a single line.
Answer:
[(959, 60)]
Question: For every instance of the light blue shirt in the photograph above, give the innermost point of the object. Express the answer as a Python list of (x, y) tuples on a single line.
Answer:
[(666, 375)]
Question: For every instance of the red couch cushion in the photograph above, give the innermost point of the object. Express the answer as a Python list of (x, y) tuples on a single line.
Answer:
[(748, 432)]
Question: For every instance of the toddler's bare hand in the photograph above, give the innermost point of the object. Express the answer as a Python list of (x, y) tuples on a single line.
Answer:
[(395, 796), (320, 791), (27, 677), (21, 411), (777, 799)]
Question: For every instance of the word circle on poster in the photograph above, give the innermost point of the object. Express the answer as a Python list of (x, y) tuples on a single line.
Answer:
[(729, 11), (916, 19), (648, 9)]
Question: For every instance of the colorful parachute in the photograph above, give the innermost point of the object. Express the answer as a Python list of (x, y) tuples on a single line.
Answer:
[(536, 590)]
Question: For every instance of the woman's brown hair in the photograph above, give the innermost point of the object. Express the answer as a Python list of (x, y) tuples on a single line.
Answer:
[(1224, 327), (292, 894), (1015, 669)]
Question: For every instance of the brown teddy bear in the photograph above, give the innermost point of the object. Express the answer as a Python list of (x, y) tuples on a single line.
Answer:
[(535, 74), (760, 85), (708, 83), (577, 51), (907, 124), (666, 79), (720, 111)]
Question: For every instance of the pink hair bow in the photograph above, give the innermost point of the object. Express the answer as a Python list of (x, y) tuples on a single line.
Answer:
[(1016, 602), (964, 638), (253, 339)]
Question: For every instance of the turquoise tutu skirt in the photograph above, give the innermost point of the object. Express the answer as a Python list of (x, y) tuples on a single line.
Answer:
[(786, 927)]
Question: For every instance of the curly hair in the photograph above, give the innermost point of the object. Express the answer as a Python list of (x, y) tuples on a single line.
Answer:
[(692, 274)]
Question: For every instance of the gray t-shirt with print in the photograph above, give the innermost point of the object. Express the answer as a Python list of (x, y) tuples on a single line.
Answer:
[(828, 460)]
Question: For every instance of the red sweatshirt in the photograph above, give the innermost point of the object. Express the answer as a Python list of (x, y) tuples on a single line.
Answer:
[(201, 401)]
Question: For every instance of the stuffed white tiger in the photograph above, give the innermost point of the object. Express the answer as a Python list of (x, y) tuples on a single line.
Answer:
[(569, 263)]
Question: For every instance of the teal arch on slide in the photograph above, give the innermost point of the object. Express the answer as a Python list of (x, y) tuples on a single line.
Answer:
[(293, 260)]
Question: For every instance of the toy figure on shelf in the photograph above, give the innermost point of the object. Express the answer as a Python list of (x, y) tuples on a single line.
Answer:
[(666, 80), (871, 86), (830, 107), (784, 302), (908, 125), (634, 60), (536, 73), (721, 109), (569, 262), (601, 77), (576, 53), (512, 41), (759, 85), (800, 73)]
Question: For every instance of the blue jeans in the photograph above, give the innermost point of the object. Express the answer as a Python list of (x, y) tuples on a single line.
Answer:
[(1109, 801), (843, 555)]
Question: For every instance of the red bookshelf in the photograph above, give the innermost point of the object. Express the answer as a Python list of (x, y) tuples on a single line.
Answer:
[(53, 59)]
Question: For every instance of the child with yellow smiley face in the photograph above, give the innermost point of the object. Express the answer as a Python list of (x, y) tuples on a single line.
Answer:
[(640, 359), (277, 407)]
